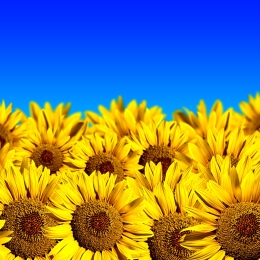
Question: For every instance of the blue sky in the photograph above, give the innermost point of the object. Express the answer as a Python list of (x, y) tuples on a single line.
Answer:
[(171, 54)]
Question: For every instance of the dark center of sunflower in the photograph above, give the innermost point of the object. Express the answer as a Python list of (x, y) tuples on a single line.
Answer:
[(238, 230), (96, 225), (106, 167), (49, 156), (165, 244), (157, 154), (247, 225), (31, 223), (100, 222), (105, 162), (26, 218)]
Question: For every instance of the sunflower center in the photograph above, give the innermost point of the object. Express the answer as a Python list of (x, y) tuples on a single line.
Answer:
[(238, 230), (106, 167), (31, 223), (5, 136), (48, 156), (26, 218), (96, 225), (247, 225), (100, 222), (104, 163), (165, 244), (157, 154)]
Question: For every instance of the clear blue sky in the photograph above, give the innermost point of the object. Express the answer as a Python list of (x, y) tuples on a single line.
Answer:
[(172, 54)]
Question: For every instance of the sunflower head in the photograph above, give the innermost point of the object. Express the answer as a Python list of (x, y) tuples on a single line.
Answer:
[(100, 216), (230, 225), (105, 154), (48, 147), (24, 198), (165, 143), (167, 220)]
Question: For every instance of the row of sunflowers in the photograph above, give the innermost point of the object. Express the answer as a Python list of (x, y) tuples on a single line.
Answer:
[(128, 184)]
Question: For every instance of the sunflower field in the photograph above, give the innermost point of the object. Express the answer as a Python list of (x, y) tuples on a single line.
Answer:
[(126, 183)]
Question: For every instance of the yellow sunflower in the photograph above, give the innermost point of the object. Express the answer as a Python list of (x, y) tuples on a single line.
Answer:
[(11, 129), (251, 113), (164, 143), (121, 120), (200, 124), (165, 209), (237, 146), (98, 219), (46, 146), (229, 224), (24, 197), (105, 154)]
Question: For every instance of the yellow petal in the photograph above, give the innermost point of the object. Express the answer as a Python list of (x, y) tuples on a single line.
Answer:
[(219, 255), (87, 255), (247, 186), (58, 232), (205, 228), (201, 215), (132, 205), (206, 252), (210, 199)]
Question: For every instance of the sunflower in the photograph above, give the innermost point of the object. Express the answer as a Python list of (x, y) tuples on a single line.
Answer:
[(98, 219), (229, 224), (11, 129), (105, 154), (24, 197), (165, 143), (165, 209), (237, 146), (217, 118), (251, 113), (121, 120), (48, 147)]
